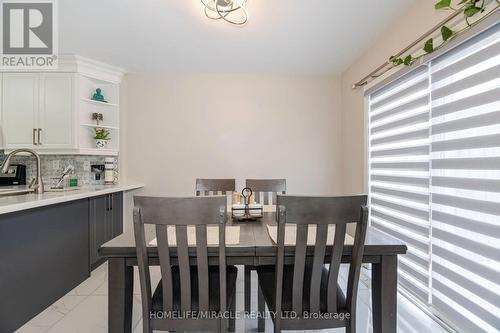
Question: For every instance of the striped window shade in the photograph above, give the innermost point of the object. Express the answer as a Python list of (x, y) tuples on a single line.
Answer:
[(399, 172), (465, 183), (434, 180)]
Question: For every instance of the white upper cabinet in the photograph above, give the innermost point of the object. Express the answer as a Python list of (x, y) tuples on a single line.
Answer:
[(38, 110), (20, 103), (53, 112), (56, 112)]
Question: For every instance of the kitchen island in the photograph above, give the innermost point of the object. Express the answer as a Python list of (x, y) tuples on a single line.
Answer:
[(49, 243), (9, 204)]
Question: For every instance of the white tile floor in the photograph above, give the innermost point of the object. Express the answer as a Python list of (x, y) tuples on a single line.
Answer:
[(84, 310)]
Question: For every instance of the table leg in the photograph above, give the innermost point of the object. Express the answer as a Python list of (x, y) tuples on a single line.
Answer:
[(248, 290), (232, 319), (120, 293), (261, 323), (384, 294)]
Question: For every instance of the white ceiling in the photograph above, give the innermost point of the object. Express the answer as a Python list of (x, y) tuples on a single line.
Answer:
[(282, 36)]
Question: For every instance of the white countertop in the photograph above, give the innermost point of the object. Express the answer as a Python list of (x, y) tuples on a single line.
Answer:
[(14, 203)]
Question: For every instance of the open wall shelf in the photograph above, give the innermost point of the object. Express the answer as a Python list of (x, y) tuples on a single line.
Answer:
[(107, 104), (110, 111)]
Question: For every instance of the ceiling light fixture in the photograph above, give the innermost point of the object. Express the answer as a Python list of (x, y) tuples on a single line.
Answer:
[(232, 11)]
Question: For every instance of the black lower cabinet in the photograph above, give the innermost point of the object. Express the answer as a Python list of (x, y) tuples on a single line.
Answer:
[(116, 215), (106, 222), (44, 254)]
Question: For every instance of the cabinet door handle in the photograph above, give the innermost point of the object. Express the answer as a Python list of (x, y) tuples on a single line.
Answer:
[(34, 133), (108, 202), (111, 196), (39, 136)]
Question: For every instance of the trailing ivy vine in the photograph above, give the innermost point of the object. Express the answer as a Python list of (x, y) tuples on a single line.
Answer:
[(469, 8)]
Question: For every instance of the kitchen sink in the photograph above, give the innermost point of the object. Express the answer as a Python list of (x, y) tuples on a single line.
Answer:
[(65, 189), (14, 190)]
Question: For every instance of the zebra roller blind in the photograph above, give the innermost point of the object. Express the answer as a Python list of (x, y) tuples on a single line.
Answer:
[(399, 172), (434, 164), (465, 178)]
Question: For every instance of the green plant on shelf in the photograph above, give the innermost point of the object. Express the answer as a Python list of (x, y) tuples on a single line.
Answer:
[(101, 134)]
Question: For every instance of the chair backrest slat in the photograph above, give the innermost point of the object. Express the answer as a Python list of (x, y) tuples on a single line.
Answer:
[(317, 268), (256, 196), (165, 267), (215, 186), (184, 267), (143, 262), (202, 265), (180, 212), (357, 259), (280, 258), (222, 262), (268, 187), (265, 200), (322, 212), (333, 273), (299, 268)]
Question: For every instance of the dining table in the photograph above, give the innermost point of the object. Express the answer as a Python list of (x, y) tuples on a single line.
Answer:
[(255, 247)]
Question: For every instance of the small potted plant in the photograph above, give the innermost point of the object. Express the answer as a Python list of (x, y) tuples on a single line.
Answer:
[(101, 136)]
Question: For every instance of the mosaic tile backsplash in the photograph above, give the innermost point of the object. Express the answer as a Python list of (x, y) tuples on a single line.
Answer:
[(54, 165)]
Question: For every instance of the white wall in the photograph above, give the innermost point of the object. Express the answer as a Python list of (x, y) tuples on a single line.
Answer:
[(417, 20), (176, 128)]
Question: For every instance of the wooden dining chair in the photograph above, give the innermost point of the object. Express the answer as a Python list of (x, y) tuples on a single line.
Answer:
[(208, 187), (214, 186), (304, 286), (265, 190), (191, 281)]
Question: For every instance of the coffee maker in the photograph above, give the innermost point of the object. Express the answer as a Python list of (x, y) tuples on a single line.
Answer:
[(15, 175)]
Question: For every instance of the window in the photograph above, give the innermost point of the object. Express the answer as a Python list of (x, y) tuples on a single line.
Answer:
[(434, 165)]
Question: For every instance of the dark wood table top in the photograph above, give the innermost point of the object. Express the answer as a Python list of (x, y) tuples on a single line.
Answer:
[(254, 242)]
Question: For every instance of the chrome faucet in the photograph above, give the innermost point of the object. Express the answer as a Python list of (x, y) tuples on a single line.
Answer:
[(37, 183)]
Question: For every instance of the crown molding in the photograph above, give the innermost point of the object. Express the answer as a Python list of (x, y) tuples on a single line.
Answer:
[(72, 63), (90, 67)]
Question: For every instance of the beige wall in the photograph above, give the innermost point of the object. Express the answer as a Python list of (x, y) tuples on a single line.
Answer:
[(417, 20), (176, 128), (309, 129)]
